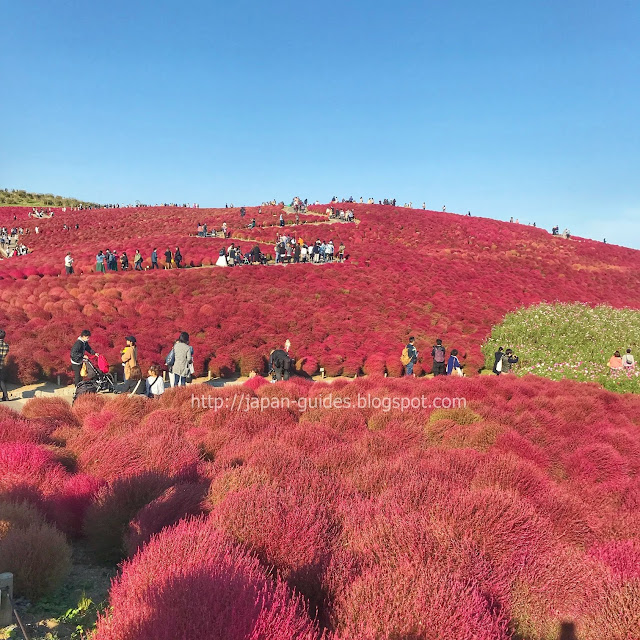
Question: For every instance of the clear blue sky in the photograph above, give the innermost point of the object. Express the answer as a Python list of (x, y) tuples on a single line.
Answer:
[(528, 109)]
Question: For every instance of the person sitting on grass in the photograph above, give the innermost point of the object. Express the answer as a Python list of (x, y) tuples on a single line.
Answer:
[(135, 385), (628, 361), (154, 384), (615, 362)]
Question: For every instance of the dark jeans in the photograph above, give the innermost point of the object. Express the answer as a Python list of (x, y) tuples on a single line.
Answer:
[(138, 266), (76, 372), (3, 383), (281, 374), (439, 368), (154, 265), (69, 270)]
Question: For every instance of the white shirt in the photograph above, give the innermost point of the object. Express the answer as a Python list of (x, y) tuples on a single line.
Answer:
[(68, 261), (156, 388)]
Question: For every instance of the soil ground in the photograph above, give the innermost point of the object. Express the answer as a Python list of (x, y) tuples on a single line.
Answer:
[(63, 615)]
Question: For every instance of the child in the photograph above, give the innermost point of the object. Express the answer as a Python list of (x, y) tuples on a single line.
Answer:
[(154, 382)]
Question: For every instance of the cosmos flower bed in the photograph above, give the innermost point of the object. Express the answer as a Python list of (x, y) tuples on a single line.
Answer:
[(499, 519), (418, 273), (570, 341)]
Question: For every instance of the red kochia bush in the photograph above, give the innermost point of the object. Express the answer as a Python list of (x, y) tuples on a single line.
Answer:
[(421, 601), (56, 410), (113, 508), (175, 503), (36, 552), (189, 582), (14, 428), (290, 528)]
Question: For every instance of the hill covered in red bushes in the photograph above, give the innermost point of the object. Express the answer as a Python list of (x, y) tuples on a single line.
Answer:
[(422, 273)]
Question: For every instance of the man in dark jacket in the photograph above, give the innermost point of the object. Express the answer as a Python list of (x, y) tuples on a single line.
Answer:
[(154, 259), (80, 347), (439, 360), (280, 364), (498, 359)]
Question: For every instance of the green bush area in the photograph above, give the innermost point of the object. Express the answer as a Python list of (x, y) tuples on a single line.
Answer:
[(570, 341), (22, 198)]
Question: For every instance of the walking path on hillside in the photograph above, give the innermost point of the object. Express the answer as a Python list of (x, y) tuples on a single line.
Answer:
[(20, 395)]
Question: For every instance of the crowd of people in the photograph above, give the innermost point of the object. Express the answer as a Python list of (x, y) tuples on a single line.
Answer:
[(112, 261), (289, 250), (179, 364), (450, 366), (234, 256), (343, 215), (11, 241)]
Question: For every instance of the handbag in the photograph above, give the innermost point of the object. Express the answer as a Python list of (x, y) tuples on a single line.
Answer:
[(499, 366), (170, 360), (83, 370)]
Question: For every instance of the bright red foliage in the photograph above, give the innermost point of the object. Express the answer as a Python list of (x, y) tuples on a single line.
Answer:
[(499, 519), (429, 274), (204, 588)]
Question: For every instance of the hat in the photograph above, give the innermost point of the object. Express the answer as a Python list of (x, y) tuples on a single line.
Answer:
[(130, 339)]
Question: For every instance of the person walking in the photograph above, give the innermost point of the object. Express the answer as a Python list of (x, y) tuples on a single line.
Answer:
[(409, 357), (68, 263), (154, 258), (124, 260), (137, 260), (182, 361), (129, 356), (453, 365), (167, 258), (438, 353), (4, 352), (177, 256), (78, 352), (497, 364)]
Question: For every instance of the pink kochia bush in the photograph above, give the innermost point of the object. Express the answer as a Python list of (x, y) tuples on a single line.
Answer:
[(202, 587), (502, 518)]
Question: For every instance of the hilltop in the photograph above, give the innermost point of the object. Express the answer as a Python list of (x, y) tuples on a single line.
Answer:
[(22, 198)]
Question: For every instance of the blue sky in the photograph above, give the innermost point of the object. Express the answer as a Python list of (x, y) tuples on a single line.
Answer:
[(524, 109)]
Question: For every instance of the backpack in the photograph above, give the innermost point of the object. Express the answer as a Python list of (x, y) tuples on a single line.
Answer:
[(405, 358), (439, 353)]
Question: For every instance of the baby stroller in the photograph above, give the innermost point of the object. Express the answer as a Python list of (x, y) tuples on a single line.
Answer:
[(99, 379)]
